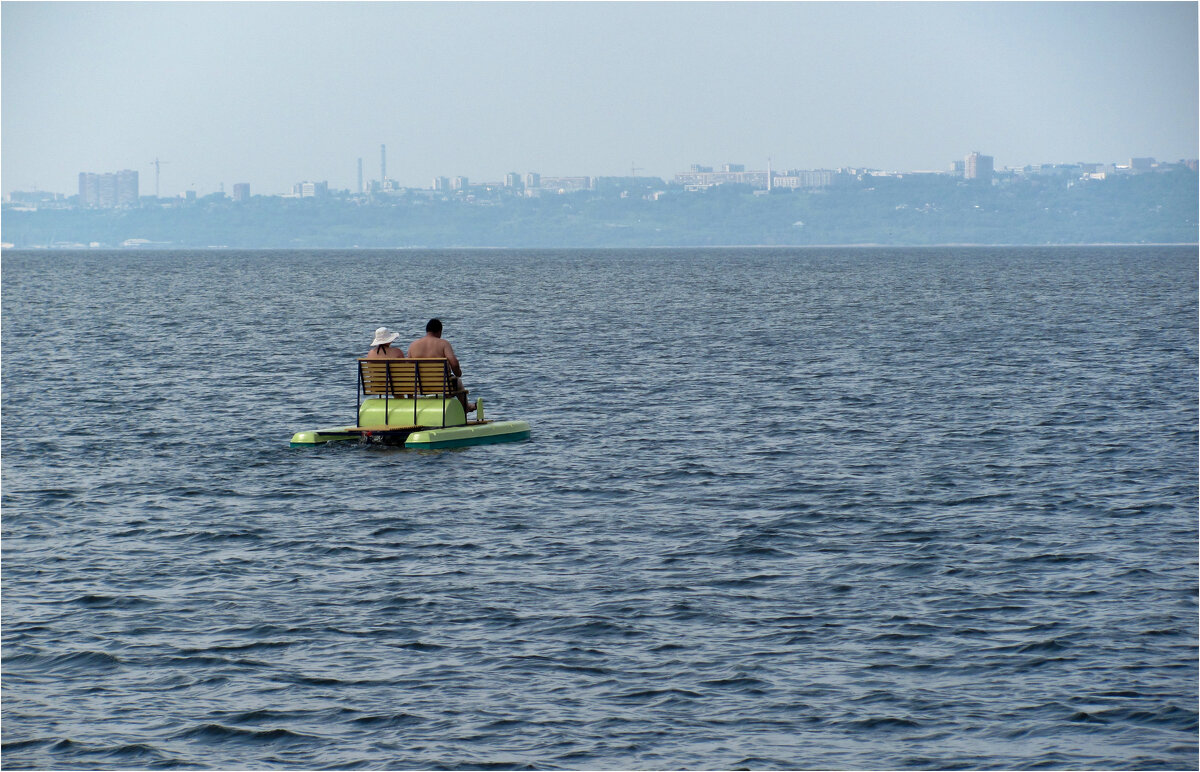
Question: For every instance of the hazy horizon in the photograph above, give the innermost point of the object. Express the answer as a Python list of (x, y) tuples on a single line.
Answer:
[(276, 93)]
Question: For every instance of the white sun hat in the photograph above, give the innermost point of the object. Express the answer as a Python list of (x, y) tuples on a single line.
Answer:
[(384, 335)]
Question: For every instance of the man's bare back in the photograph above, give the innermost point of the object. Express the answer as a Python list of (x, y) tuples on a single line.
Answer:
[(433, 347)]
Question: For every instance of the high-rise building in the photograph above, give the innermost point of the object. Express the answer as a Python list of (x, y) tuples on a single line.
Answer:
[(108, 191), (382, 164), (127, 188), (512, 180), (241, 191), (533, 180), (89, 189), (459, 183), (360, 187), (441, 183), (977, 166)]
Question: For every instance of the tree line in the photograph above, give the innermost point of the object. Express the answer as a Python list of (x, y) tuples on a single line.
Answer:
[(911, 210)]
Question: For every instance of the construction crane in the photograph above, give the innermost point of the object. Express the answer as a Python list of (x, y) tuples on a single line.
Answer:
[(156, 163), (634, 169)]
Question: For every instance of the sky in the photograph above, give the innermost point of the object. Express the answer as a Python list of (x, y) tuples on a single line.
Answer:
[(276, 93)]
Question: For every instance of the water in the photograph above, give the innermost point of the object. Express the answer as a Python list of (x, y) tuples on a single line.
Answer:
[(848, 508)]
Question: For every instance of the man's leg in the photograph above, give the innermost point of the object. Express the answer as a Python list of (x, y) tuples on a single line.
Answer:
[(462, 395)]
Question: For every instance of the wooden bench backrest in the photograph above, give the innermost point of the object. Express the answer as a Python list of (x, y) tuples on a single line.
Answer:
[(392, 377)]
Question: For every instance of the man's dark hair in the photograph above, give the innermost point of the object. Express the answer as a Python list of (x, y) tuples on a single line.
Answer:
[(434, 326)]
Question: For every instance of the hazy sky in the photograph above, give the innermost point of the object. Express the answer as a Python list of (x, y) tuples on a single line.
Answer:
[(275, 93)]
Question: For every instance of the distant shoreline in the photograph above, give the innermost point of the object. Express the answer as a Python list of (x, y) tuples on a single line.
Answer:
[(624, 248), (1138, 209)]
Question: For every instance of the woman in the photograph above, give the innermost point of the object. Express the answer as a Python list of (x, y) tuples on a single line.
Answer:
[(381, 347)]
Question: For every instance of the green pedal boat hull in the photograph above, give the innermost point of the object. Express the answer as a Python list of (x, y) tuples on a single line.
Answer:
[(423, 422), (473, 434), (432, 438)]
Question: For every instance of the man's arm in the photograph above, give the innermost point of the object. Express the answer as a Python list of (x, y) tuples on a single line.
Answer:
[(448, 352)]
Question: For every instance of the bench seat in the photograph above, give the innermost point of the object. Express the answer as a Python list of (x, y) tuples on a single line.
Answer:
[(419, 392)]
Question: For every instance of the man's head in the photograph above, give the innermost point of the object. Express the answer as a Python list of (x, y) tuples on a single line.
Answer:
[(434, 327)]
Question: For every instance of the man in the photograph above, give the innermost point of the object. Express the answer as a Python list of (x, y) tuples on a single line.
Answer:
[(433, 347), (381, 346)]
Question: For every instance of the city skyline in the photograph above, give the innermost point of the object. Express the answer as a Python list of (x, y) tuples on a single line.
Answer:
[(307, 187), (275, 93)]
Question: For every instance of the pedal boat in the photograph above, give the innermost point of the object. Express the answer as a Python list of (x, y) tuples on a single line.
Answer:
[(412, 402)]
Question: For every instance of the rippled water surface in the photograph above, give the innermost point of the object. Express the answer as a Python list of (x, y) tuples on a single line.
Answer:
[(781, 509)]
